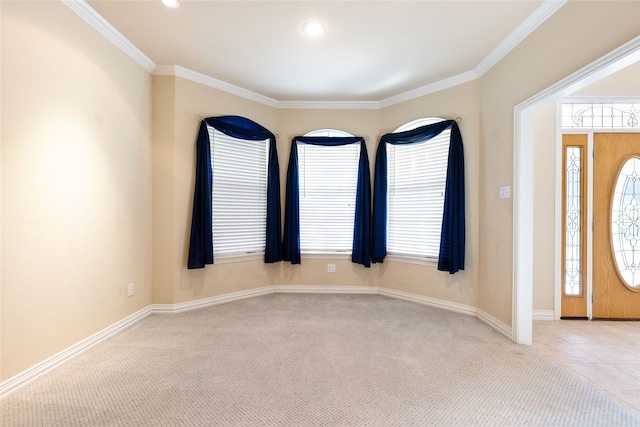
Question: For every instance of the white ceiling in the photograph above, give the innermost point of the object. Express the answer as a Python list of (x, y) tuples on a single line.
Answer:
[(371, 51)]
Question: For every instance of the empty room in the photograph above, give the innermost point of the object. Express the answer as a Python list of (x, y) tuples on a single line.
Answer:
[(319, 213)]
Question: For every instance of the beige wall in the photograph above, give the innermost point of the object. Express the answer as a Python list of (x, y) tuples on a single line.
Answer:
[(625, 82), (179, 105), (552, 52), (76, 183), (460, 101), (98, 193), (174, 283)]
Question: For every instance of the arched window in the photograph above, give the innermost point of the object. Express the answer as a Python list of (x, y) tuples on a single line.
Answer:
[(418, 200), (236, 203), (239, 195)]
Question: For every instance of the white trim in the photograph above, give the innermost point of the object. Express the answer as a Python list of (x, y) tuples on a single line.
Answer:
[(615, 60), (406, 259), (522, 295), (599, 99), (544, 315), (430, 88), (28, 376), (210, 301), (494, 323), (557, 294), (325, 256), (522, 31), (432, 302), (329, 105), (94, 19), (304, 289), (194, 76)]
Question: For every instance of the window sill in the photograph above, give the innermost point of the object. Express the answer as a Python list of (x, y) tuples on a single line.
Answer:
[(326, 255), (407, 259), (224, 259)]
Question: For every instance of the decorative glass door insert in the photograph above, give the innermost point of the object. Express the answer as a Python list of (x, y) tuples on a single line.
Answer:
[(625, 223), (574, 167)]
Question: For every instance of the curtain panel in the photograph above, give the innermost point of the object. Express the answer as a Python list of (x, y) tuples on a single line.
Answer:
[(201, 239), (452, 236), (361, 249)]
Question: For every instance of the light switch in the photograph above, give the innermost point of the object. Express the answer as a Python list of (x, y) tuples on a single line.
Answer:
[(504, 192)]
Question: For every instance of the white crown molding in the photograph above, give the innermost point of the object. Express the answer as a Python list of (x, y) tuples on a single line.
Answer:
[(93, 18), (430, 88), (329, 105), (16, 382), (522, 31), (203, 79)]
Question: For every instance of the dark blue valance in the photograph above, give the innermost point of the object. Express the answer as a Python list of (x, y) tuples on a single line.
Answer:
[(201, 241), (361, 250), (452, 236)]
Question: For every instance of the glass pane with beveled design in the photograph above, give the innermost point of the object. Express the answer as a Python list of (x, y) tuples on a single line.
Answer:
[(625, 222), (573, 222), (600, 115)]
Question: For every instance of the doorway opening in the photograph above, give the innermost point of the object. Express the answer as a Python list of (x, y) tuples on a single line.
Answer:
[(522, 304)]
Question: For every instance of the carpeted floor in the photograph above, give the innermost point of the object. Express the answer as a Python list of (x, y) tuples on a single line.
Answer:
[(311, 360)]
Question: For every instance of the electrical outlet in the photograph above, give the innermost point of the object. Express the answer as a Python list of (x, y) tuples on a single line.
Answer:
[(331, 268), (130, 290)]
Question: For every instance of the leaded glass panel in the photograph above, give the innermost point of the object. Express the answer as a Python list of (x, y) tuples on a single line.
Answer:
[(625, 222), (601, 115), (573, 222)]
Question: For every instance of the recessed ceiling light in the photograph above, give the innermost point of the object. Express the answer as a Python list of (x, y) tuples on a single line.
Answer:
[(171, 3), (313, 28)]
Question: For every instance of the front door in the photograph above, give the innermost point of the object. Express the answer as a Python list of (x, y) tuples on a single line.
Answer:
[(616, 232)]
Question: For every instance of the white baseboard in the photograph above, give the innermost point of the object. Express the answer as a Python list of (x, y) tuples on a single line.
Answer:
[(295, 289), (544, 315), (15, 383), (24, 378), (495, 323), (433, 302), (207, 302)]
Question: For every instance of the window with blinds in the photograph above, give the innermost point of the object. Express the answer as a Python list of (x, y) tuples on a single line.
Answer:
[(328, 181), (416, 181), (239, 195)]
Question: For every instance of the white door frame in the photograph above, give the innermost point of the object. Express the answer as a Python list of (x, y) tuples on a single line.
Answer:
[(522, 304)]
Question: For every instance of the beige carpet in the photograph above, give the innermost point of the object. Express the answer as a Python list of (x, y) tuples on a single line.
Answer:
[(311, 360)]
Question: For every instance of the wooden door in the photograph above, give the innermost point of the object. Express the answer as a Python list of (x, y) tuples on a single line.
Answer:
[(616, 235), (574, 214)]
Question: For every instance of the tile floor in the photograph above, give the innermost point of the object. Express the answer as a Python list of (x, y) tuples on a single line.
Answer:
[(605, 354)]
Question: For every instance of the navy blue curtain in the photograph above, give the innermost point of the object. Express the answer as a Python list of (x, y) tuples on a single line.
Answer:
[(452, 235), (361, 249), (201, 241)]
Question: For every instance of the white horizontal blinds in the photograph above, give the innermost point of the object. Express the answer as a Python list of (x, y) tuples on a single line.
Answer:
[(328, 178), (239, 195), (416, 177)]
